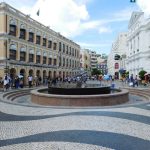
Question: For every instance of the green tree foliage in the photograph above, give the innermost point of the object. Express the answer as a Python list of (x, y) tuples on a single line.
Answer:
[(95, 71), (127, 74), (141, 74)]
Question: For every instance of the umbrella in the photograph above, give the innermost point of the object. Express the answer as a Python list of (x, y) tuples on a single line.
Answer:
[(106, 77), (146, 74)]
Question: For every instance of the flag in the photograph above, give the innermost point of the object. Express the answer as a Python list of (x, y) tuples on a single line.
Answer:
[(132, 1), (38, 12)]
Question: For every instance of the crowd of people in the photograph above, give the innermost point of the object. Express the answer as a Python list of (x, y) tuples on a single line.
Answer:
[(18, 81)]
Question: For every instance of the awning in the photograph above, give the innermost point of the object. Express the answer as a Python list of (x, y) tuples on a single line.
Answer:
[(44, 53), (38, 53), (31, 51), (22, 49), (146, 74), (13, 47)]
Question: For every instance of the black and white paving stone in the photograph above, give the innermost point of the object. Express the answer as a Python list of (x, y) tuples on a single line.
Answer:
[(47, 128)]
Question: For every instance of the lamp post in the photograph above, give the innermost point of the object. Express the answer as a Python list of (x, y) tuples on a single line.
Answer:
[(6, 46)]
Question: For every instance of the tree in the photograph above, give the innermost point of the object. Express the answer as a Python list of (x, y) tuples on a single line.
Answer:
[(95, 71), (127, 74), (141, 74)]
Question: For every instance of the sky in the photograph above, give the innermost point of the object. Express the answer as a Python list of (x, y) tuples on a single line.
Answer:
[(93, 24)]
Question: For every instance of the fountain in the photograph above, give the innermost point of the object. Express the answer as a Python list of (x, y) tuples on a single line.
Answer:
[(79, 94)]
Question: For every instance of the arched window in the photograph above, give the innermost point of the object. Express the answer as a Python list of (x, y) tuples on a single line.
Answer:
[(44, 40), (38, 38), (38, 57), (44, 57), (31, 35), (22, 53), (31, 55), (22, 32), (12, 51), (12, 27), (116, 66), (55, 60)]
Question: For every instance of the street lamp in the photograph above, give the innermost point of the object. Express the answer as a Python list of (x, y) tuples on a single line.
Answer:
[(6, 46)]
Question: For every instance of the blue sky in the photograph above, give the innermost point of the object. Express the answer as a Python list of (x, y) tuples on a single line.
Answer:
[(93, 24)]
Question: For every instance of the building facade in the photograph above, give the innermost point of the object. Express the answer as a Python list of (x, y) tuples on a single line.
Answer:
[(102, 64), (138, 56), (30, 48), (93, 59), (85, 61), (117, 57)]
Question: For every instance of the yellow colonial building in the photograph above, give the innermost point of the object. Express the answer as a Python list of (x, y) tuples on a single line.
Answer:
[(85, 61), (30, 48)]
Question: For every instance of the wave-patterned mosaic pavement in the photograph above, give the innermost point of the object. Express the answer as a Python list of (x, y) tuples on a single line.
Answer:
[(45, 128)]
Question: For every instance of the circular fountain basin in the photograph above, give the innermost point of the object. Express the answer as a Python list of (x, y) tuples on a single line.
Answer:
[(79, 91), (55, 97)]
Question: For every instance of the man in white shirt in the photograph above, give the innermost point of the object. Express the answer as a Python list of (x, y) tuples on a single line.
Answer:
[(30, 81)]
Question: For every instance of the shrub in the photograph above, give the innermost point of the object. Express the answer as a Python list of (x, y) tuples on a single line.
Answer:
[(141, 74)]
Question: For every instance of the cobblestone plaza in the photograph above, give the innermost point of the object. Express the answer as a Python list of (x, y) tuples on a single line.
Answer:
[(34, 127)]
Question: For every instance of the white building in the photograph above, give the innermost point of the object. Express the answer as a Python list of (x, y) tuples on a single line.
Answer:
[(119, 47), (93, 59), (138, 56)]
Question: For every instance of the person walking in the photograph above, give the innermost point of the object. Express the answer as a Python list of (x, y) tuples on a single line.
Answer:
[(131, 81), (6, 83), (136, 81), (30, 81)]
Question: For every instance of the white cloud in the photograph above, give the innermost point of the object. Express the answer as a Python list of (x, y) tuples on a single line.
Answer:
[(64, 16), (93, 45), (71, 17), (98, 46), (122, 15), (144, 5), (105, 30)]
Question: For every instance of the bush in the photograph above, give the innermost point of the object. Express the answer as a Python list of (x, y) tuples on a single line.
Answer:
[(95, 71), (141, 74)]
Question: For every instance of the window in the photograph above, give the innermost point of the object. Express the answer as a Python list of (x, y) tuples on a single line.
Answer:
[(49, 44), (75, 53), (31, 57), (38, 58), (38, 39), (63, 61), (60, 46), (22, 56), (12, 30), (44, 41), (70, 51), (63, 48), (59, 60), (44, 60), (12, 54), (116, 66), (55, 46), (55, 61), (70, 62), (50, 61), (67, 49), (31, 37), (22, 34), (67, 63)]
